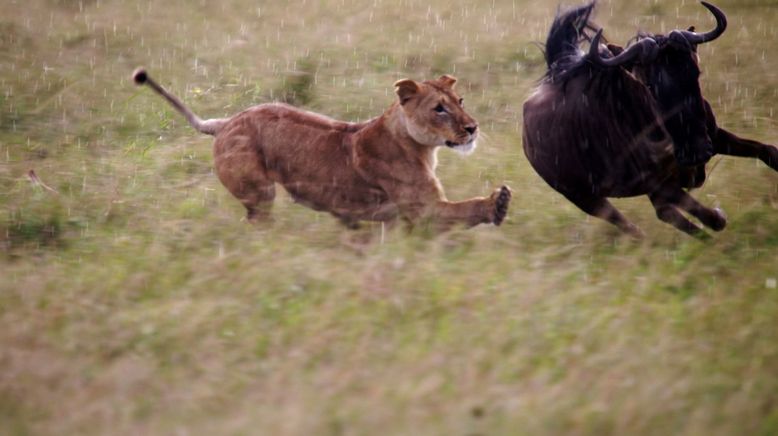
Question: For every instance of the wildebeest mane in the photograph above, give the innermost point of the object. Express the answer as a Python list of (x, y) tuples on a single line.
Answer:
[(564, 58)]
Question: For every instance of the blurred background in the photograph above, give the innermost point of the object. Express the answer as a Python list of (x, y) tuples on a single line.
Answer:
[(135, 299)]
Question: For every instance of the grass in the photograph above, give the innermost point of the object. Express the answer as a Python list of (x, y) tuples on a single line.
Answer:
[(136, 301)]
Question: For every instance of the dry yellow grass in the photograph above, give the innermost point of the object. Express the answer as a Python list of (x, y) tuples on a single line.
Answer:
[(137, 302)]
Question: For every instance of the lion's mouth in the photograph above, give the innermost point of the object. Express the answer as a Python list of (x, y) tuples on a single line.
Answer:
[(464, 148), (453, 144), (466, 142)]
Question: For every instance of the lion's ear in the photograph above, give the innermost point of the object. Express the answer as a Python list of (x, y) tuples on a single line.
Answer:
[(447, 80), (406, 88)]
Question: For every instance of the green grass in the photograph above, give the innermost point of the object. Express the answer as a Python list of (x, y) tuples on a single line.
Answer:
[(136, 301)]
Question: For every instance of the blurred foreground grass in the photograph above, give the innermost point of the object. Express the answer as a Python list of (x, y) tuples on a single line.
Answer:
[(136, 301)]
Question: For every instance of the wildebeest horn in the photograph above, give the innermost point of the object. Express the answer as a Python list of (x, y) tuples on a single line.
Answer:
[(642, 48), (721, 26)]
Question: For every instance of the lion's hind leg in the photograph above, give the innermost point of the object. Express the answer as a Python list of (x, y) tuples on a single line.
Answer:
[(255, 194), (242, 171), (259, 204)]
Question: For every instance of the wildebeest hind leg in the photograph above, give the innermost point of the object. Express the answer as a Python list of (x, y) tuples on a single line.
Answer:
[(602, 208), (667, 212), (733, 145)]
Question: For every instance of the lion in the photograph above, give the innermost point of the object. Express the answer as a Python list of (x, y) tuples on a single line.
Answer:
[(379, 170)]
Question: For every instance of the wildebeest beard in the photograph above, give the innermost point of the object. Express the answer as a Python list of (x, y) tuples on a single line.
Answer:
[(672, 77)]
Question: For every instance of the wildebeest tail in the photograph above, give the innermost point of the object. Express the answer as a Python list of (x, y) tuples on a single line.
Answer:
[(566, 33), (209, 127)]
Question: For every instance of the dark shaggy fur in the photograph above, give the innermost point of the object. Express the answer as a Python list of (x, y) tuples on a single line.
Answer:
[(593, 132)]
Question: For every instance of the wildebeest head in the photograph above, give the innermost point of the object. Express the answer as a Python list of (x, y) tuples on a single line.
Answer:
[(668, 66)]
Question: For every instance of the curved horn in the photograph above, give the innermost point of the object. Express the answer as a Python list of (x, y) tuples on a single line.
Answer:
[(721, 26), (644, 46)]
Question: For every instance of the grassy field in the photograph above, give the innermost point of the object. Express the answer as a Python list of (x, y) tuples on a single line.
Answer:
[(137, 301)]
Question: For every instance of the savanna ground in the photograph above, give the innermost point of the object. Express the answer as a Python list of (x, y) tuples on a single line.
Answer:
[(136, 300)]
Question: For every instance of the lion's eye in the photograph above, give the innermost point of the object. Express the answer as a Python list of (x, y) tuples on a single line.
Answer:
[(461, 101), (440, 109)]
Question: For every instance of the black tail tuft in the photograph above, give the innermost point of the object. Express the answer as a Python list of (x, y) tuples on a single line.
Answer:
[(140, 76), (566, 33)]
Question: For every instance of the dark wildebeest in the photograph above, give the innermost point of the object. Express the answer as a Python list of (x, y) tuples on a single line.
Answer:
[(626, 122)]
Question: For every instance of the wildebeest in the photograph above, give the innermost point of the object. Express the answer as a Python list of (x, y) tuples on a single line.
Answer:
[(615, 122)]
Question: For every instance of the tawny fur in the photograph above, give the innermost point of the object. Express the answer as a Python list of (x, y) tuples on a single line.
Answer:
[(379, 170)]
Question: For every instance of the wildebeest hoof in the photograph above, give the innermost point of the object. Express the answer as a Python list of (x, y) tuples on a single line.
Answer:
[(635, 232), (770, 157), (720, 222), (502, 198)]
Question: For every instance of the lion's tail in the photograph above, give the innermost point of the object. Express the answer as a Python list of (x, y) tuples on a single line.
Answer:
[(209, 127)]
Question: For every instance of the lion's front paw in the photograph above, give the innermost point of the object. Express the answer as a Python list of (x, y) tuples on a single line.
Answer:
[(502, 198)]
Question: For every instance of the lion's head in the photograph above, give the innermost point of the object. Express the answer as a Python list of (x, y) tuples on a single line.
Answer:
[(434, 114)]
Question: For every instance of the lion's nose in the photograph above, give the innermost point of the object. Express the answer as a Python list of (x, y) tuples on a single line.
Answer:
[(471, 128)]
